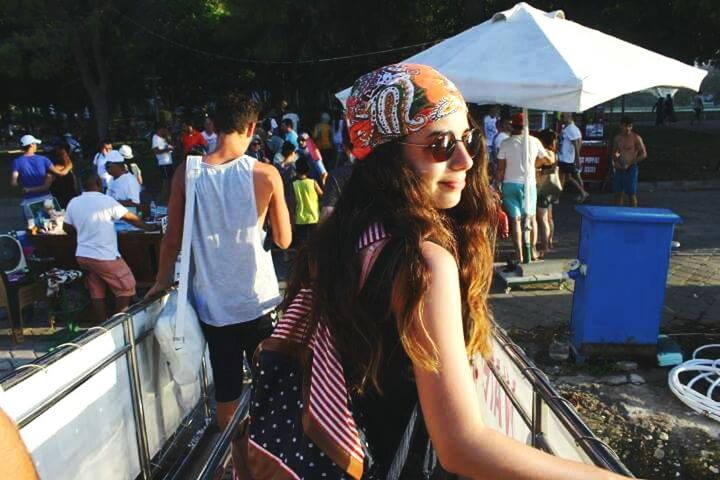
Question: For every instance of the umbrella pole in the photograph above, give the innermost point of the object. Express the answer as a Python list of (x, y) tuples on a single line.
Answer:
[(527, 247)]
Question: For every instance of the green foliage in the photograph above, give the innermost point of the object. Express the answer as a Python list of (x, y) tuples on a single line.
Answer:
[(202, 48)]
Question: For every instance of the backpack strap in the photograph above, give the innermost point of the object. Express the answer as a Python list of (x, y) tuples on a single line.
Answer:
[(374, 233), (192, 172), (374, 239)]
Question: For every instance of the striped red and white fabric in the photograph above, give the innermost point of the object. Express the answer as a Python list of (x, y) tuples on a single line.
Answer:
[(328, 402)]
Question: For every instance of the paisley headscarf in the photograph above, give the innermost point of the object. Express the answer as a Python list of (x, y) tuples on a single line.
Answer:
[(397, 100)]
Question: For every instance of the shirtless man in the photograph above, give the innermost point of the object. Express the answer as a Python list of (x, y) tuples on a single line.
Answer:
[(628, 151)]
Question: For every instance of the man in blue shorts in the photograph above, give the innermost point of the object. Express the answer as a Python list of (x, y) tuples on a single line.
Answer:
[(628, 151), (517, 177)]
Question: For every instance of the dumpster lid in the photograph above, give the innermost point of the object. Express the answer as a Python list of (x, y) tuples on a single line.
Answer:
[(628, 214)]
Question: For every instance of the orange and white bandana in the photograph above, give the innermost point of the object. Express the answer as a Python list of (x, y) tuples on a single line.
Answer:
[(397, 100)]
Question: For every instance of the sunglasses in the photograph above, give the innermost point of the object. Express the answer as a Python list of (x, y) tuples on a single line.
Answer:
[(444, 145)]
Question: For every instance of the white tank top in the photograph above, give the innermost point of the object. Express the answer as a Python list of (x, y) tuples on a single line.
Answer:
[(233, 277)]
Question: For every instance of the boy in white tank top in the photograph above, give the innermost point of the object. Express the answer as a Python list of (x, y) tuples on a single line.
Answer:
[(228, 253)]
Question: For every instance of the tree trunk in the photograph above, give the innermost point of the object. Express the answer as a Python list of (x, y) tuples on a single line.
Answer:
[(101, 111), (94, 75)]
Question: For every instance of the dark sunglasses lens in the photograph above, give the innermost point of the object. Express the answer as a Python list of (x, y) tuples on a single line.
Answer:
[(473, 142), (444, 147)]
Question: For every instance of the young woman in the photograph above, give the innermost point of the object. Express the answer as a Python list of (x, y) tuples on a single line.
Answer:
[(63, 187), (407, 309), (545, 200)]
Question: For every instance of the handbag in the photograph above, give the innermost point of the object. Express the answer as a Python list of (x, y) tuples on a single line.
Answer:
[(177, 329), (549, 183), (503, 222)]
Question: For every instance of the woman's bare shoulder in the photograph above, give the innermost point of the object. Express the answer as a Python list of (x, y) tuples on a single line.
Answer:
[(438, 258)]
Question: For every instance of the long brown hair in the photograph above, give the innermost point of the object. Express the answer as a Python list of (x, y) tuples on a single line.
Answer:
[(384, 188), (61, 156)]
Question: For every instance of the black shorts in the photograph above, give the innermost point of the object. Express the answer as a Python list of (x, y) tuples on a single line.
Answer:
[(227, 345), (166, 171), (568, 168)]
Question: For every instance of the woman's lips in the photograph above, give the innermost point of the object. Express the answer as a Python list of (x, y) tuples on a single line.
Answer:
[(453, 185)]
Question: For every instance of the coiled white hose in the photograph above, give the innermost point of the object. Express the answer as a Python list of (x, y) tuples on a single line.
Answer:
[(707, 371)]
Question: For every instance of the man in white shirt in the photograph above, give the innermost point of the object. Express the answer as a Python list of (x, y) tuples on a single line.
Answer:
[(569, 158), (163, 154), (106, 152), (209, 135), (517, 177), (124, 186), (92, 216)]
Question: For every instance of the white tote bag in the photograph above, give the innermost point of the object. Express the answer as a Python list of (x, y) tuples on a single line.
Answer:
[(177, 329)]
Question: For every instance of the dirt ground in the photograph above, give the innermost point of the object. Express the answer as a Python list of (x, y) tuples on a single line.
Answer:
[(631, 409)]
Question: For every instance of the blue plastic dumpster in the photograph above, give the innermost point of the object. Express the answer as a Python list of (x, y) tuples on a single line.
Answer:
[(620, 283)]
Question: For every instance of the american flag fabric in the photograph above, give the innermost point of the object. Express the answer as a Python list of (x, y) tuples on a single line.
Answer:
[(301, 425)]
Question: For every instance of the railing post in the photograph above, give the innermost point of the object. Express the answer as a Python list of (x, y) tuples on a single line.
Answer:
[(205, 388), (536, 417), (137, 403)]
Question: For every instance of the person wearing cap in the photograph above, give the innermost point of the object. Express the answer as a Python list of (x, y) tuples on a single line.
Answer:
[(126, 153), (124, 186), (516, 178), (92, 217), (400, 273), (105, 154), (307, 149), (33, 172), (255, 150)]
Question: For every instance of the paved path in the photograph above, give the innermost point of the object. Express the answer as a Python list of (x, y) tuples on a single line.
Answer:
[(693, 292)]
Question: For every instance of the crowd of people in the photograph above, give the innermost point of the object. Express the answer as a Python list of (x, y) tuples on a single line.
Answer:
[(530, 184), (394, 211), (92, 201)]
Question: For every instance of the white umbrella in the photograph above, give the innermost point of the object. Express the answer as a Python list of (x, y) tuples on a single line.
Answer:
[(534, 59)]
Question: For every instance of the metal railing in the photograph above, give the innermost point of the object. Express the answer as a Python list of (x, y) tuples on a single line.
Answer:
[(215, 465), (544, 398), (544, 394), (129, 351)]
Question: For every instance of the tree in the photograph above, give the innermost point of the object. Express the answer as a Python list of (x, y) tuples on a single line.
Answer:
[(51, 41), (72, 51)]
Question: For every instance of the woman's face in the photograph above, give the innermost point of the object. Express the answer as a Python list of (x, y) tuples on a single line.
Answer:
[(444, 180)]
